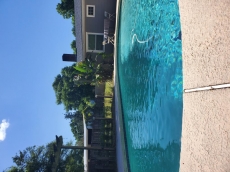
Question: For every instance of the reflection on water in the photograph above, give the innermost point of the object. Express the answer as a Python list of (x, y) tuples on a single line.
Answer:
[(150, 75), (157, 159)]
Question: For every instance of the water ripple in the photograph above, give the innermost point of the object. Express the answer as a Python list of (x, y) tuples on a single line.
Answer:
[(150, 74)]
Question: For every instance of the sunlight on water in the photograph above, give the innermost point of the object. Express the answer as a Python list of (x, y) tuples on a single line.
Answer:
[(150, 75)]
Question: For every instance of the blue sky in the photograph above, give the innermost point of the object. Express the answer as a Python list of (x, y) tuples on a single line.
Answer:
[(33, 37)]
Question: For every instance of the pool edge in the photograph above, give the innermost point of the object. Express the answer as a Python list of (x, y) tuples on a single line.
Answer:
[(122, 164)]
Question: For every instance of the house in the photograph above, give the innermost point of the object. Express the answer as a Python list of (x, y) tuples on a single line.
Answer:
[(94, 21), (89, 24)]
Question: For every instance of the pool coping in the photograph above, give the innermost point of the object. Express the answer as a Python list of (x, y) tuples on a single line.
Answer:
[(122, 160)]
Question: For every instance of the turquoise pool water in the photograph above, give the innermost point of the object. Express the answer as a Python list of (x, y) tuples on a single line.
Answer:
[(150, 77)]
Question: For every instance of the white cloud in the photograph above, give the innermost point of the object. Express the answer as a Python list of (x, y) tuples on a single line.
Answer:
[(3, 126)]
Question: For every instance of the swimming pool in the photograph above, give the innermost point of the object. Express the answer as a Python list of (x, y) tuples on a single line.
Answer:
[(150, 77)]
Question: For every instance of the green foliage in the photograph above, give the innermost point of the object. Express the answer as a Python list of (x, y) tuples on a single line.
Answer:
[(104, 72), (73, 28), (84, 67), (13, 169), (93, 73), (73, 46), (72, 160), (76, 124), (66, 8), (109, 88), (67, 93), (108, 101), (86, 108), (86, 73), (39, 158)]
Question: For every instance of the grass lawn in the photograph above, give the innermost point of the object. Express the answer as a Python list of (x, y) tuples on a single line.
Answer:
[(108, 126), (108, 101)]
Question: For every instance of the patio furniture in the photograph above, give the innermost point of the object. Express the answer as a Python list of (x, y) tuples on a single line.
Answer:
[(108, 32), (110, 16)]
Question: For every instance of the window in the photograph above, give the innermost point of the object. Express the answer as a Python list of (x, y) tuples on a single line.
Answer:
[(94, 42), (90, 10)]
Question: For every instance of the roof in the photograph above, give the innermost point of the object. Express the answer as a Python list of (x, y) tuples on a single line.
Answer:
[(79, 28), (80, 46)]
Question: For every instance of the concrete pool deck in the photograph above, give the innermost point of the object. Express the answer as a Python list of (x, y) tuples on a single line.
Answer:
[(205, 138), (122, 163)]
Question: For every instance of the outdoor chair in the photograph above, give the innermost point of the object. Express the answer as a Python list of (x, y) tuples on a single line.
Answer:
[(108, 32), (108, 39), (109, 16)]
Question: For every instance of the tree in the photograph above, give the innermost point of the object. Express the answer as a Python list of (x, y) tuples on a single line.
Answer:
[(76, 124), (73, 28), (66, 8), (67, 93), (40, 159), (90, 72), (73, 46)]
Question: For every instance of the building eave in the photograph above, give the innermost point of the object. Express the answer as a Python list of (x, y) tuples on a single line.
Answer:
[(79, 12)]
